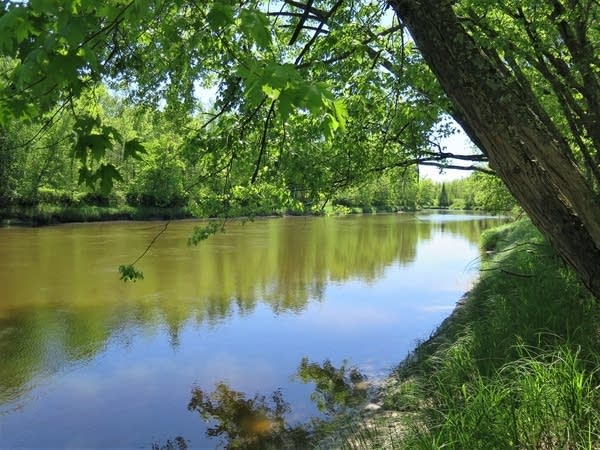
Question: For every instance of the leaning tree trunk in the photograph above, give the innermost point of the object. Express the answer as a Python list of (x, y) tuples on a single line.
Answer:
[(506, 120)]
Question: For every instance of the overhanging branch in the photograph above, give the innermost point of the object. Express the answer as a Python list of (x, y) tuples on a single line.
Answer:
[(457, 167)]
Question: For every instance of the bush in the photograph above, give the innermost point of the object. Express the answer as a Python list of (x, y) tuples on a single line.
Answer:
[(156, 200), (53, 196), (458, 204), (114, 198), (160, 183)]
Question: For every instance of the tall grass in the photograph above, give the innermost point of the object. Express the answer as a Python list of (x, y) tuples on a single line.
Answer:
[(516, 367)]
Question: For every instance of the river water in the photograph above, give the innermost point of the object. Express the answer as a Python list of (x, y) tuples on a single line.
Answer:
[(87, 360)]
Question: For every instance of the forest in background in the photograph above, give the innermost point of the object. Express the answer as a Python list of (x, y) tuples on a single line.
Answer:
[(39, 172)]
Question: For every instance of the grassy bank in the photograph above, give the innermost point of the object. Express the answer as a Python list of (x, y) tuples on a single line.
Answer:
[(515, 366), (52, 214), (48, 214), (40, 214)]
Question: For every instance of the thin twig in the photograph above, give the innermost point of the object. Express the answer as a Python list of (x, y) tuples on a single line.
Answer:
[(508, 272), (151, 243), (263, 142)]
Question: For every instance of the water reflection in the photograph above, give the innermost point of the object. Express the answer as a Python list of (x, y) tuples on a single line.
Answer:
[(283, 287), (178, 443), (261, 423), (247, 422), (336, 389)]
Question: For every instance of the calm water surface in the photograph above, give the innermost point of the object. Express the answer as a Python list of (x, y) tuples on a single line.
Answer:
[(89, 361)]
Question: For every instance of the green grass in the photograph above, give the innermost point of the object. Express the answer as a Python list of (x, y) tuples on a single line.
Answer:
[(44, 214), (515, 367)]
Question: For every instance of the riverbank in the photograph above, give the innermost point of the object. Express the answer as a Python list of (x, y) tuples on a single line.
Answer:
[(514, 366), (40, 215), (52, 214)]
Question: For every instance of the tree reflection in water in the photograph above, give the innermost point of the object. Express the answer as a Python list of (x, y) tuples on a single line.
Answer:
[(178, 443), (260, 423), (336, 389)]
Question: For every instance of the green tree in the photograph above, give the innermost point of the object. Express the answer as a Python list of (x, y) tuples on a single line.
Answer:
[(426, 195), (490, 194), (443, 201)]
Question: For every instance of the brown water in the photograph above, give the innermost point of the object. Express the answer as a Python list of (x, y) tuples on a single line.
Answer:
[(89, 361)]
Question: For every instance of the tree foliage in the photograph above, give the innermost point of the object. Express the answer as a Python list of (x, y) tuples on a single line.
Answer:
[(443, 201)]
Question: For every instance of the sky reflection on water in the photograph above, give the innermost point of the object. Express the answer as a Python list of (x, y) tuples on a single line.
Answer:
[(90, 361)]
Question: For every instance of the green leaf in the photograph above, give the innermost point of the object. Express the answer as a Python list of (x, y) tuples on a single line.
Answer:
[(281, 75), (130, 273), (313, 99), (15, 24), (85, 124), (251, 69), (329, 125), (340, 112), (219, 16), (107, 130), (201, 233), (134, 149), (64, 68), (290, 98), (108, 11), (96, 143), (86, 176), (273, 94), (90, 57), (75, 30), (44, 6), (107, 173), (255, 26)]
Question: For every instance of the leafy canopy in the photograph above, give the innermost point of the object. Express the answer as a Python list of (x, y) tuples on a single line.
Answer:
[(334, 83)]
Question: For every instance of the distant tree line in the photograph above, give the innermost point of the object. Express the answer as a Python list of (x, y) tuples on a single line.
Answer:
[(394, 192), (38, 168)]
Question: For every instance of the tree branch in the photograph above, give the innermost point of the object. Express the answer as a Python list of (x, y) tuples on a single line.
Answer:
[(303, 18), (321, 14), (455, 167), (151, 243), (263, 143), (316, 34)]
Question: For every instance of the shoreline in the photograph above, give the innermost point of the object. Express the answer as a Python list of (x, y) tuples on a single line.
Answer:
[(44, 215), (48, 215), (513, 366)]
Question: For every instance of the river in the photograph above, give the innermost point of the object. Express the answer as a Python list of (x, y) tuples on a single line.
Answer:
[(87, 360)]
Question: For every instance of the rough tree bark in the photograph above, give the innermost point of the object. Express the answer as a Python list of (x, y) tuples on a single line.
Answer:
[(505, 119)]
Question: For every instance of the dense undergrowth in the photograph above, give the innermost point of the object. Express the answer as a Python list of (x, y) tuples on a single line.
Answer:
[(516, 366)]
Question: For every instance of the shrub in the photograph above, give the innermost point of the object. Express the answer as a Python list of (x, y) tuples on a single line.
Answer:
[(53, 196)]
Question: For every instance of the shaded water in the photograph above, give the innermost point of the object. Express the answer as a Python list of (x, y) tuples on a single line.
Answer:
[(89, 361)]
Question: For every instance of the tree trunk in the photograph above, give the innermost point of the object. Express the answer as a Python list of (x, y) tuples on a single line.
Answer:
[(506, 120)]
